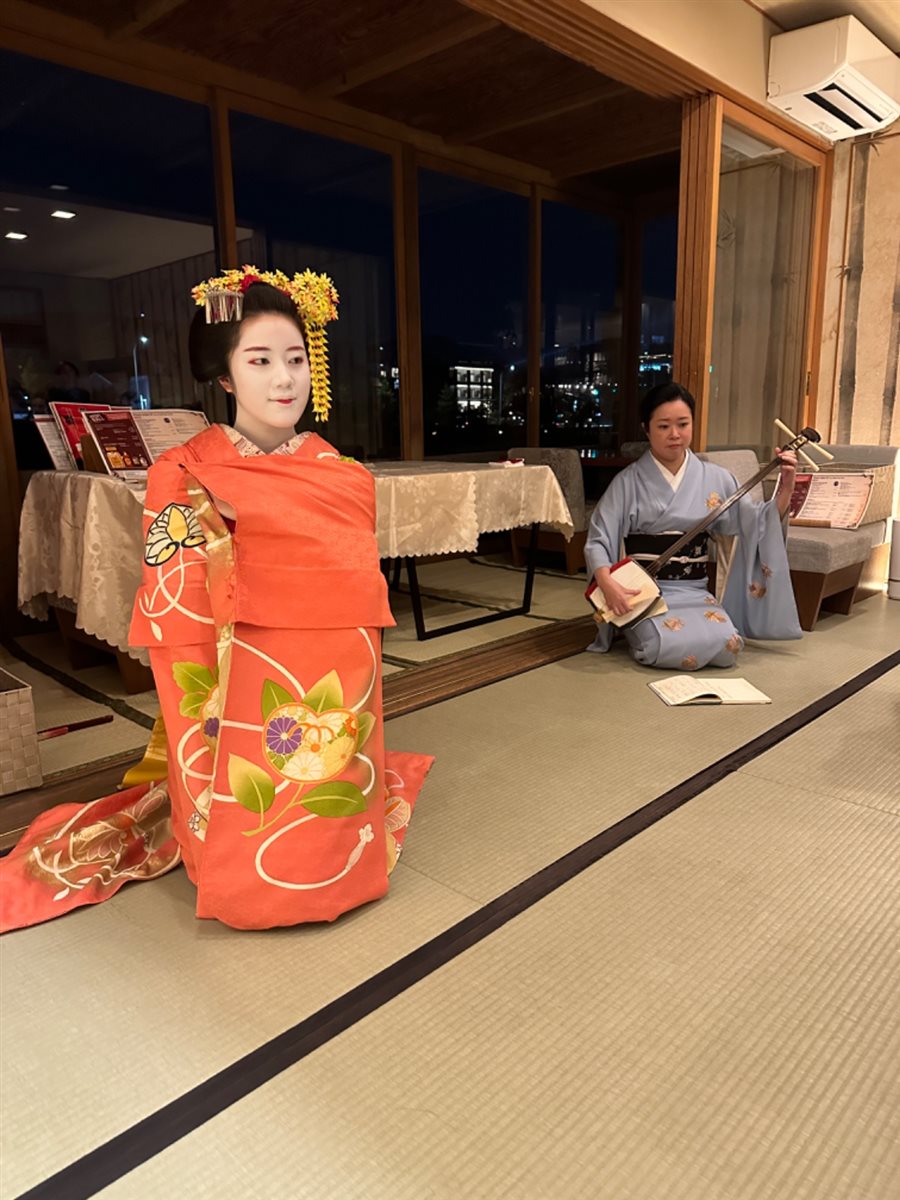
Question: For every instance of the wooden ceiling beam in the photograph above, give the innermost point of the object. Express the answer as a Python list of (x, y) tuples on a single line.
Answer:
[(628, 146), (580, 32), (518, 118), (135, 18), (469, 26), (74, 42), (583, 33)]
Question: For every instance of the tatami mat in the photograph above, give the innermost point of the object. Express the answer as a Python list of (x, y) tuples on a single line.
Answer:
[(55, 705), (707, 1014), (114, 1010), (105, 677), (400, 641), (556, 595), (460, 589), (533, 766), (527, 769), (824, 765)]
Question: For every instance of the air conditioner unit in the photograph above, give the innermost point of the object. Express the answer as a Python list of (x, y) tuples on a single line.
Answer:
[(836, 78)]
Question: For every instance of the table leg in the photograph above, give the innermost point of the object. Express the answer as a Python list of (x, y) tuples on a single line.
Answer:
[(415, 595)]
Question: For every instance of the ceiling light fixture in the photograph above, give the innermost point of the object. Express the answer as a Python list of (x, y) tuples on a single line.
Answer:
[(16, 235), (63, 214), (59, 187), (10, 208)]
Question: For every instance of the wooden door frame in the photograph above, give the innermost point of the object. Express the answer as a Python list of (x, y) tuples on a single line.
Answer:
[(701, 155)]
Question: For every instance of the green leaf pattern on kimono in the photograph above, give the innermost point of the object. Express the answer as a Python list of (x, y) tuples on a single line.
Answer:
[(273, 696), (250, 785), (335, 799), (327, 693)]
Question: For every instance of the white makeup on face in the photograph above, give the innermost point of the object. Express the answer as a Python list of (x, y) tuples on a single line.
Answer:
[(670, 431), (269, 378)]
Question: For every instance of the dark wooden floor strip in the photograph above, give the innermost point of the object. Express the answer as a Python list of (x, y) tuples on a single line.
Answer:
[(155, 1133), (454, 674), (122, 707)]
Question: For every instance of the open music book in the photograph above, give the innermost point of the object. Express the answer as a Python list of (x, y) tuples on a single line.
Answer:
[(688, 689), (648, 602)]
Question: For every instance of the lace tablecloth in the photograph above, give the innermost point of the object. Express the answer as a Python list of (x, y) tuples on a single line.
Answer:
[(442, 507), (80, 549), (80, 536)]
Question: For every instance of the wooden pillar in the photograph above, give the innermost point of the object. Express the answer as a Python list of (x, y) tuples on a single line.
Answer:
[(533, 324), (628, 427), (698, 205), (409, 306), (226, 223), (9, 510)]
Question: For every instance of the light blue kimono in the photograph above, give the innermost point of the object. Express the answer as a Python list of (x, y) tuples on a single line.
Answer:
[(697, 631)]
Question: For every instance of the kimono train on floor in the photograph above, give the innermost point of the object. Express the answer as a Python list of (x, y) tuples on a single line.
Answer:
[(640, 514), (264, 638)]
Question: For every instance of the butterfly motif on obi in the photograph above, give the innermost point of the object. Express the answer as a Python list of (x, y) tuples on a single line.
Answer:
[(175, 526)]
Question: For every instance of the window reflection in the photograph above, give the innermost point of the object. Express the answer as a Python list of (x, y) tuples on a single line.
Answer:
[(581, 352), (95, 306), (474, 276), (659, 238), (303, 200)]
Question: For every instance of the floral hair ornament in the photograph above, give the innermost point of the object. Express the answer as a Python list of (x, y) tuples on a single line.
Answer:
[(314, 296)]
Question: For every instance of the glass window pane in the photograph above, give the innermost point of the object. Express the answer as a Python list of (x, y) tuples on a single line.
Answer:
[(473, 243), (581, 353), (303, 200), (96, 306), (659, 258), (758, 371)]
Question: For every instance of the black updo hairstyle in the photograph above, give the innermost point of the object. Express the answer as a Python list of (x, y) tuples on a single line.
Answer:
[(664, 393), (211, 346)]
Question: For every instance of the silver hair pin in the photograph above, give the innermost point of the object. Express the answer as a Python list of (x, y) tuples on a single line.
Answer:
[(224, 306)]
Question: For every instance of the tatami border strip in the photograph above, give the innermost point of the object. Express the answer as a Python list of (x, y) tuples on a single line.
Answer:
[(127, 1151)]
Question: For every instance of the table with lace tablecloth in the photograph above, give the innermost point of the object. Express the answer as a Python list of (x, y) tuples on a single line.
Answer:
[(80, 536)]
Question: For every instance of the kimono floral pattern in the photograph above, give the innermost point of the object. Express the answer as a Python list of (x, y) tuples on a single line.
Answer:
[(273, 787), (698, 629)]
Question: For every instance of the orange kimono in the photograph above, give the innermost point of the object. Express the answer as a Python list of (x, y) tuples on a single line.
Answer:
[(264, 639)]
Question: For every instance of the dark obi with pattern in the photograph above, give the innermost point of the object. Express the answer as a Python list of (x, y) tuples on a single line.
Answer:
[(691, 563)]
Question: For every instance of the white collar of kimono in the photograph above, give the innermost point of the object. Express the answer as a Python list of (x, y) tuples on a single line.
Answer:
[(248, 449), (674, 481)]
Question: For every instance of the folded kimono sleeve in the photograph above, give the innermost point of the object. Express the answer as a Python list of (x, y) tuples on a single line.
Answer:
[(759, 595), (172, 606)]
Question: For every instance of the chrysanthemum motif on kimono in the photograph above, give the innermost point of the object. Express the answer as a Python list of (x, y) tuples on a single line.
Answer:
[(674, 623), (735, 643), (712, 614), (175, 526), (766, 570), (689, 663), (713, 500), (307, 746), (707, 599), (757, 590)]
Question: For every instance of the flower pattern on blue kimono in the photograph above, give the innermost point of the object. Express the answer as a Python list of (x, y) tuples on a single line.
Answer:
[(697, 631)]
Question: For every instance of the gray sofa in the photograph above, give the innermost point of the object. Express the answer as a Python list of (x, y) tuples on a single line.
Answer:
[(833, 568)]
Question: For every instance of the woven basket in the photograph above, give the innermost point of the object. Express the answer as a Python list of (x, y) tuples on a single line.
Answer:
[(20, 761)]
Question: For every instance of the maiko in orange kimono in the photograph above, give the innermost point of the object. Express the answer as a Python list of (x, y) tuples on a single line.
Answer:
[(264, 638)]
